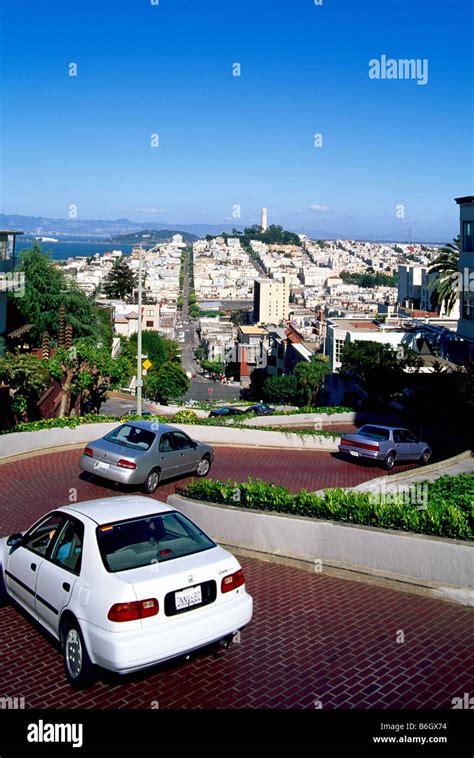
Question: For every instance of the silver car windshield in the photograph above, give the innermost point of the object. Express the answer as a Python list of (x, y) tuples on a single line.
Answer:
[(131, 436), (149, 540)]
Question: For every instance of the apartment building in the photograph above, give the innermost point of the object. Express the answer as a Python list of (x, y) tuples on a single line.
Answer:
[(270, 301), (416, 288), (466, 274)]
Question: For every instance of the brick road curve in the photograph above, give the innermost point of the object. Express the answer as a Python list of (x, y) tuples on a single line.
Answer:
[(313, 638)]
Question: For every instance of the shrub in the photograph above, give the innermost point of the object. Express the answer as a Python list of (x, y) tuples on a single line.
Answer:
[(444, 516), (185, 417), (72, 422)]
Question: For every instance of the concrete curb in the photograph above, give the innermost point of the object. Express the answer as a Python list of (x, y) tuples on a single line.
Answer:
[(420, 472), (442, 567)]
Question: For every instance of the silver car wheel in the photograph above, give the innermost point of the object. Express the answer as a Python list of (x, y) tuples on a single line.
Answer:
[(203, 466), (73, 653), (153, 481)]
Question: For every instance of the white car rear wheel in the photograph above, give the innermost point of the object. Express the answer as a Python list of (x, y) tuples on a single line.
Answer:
[(78, 667)]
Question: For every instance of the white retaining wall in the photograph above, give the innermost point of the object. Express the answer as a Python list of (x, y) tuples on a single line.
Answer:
[(46, 440), (447, 563)]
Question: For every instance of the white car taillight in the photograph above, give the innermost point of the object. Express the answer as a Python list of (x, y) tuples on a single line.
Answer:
[(134, 610), (232, 581)]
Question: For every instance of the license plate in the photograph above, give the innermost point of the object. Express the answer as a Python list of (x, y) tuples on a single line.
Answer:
[(102, 466), (354, 452), (187, 598)]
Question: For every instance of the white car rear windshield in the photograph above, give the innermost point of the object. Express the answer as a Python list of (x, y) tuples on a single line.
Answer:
[(374, 433), (148, 540), (131, 436)]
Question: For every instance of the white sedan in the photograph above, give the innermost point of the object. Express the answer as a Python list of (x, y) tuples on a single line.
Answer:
[(123, 583)]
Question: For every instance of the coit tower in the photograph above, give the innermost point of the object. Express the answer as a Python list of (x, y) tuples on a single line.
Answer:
[(264, 222)]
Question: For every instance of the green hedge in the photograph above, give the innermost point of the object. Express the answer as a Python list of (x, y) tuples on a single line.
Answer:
[(448, 511), (181, 417), (72, 421)]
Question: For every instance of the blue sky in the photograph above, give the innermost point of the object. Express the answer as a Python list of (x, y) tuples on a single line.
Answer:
[(247, 141)]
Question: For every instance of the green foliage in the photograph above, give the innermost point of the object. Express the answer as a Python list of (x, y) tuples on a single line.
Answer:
[(120, 281), (71, 422), (185, 417), (310, 377), (158, 348), (274, 235), (369, 280), (379, 368), (282, 390), (170, 381), (199, 353), (210, 313), (300, 388), (449, 511), (240, 317), (27, 378), (46, 288), (446, 283), (212, 367)]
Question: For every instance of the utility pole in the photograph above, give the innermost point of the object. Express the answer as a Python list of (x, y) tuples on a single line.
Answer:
[(139, 336)]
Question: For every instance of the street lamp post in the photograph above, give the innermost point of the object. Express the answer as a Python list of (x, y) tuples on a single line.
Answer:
[(139, 336)]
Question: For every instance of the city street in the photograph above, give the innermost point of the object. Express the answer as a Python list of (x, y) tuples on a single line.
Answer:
[(314, 638)]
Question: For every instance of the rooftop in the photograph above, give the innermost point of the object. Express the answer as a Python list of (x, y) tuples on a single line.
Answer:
[(256, 330)]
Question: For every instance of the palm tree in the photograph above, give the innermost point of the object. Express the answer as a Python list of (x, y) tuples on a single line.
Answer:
[(446, 283)]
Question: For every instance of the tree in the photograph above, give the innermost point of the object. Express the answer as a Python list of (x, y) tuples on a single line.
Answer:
[(369, 279), (159, 349), (120, 281), (446, 284), (86, 370), (310, 378), (170, 381), (282, 390), (199, 353), (46, 289), (27, 378), (378, 368), (240, 316), (212, 367)]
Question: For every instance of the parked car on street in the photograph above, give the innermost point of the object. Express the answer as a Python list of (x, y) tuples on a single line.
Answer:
[(227, 412), (123, 583), (145, 453), (261, 409), (388, 444)]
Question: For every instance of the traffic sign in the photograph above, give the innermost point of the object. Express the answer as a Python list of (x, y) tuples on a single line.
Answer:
[(210, 390), (147, 364)]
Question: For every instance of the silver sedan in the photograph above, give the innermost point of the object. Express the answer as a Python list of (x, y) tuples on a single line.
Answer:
[(145, 453)]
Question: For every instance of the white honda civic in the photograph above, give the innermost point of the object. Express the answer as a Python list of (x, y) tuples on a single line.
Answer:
[(123, 583)]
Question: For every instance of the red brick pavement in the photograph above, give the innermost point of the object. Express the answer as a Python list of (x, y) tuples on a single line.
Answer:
[(31, 486), (313, 636)]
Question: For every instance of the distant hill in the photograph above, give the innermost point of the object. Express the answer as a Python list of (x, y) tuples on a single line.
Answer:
[(151, 237)]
